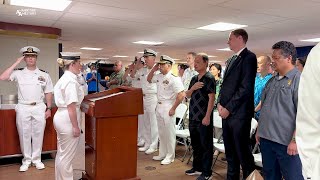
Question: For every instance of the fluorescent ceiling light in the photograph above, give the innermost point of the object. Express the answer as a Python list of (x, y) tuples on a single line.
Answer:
[(214, 61), (141, 52), (56, 5), (221, 26), (211, 56), (312, 40), (91, 48), (119, 56), (148, 42), (176, 59), (224, 49)]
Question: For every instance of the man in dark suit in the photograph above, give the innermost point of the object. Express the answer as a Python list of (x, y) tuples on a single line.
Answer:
[(236, 105)]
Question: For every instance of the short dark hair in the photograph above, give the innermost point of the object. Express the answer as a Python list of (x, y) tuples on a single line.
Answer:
[(241, 32), (183, 66), (193, 54), (218, 66), (204, 57), (302, 60), (287, 49)]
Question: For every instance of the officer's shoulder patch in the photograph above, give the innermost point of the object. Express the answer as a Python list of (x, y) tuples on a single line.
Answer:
[(173, 75), (20, 69), (43, 71)]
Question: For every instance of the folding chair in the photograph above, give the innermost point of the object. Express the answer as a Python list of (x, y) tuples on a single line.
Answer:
[(220, 146), (257, 157), (184, 134)]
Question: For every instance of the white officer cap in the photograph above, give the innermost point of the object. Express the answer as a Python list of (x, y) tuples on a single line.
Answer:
[(29, 50), (70, 55), (149, 52), (164, 59)]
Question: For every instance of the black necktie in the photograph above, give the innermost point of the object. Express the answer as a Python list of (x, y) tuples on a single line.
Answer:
[(230, 62)]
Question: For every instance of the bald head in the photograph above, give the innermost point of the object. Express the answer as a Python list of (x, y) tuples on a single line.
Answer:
[(117, 66), (263, 64)]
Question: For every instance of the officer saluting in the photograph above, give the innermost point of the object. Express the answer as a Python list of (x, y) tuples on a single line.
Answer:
[(170, 95), (31, 112)]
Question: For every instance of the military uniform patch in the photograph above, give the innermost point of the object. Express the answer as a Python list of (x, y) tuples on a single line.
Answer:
[(166, 82), (42, 79)]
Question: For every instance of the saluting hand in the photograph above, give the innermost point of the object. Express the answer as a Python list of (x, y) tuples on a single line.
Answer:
[(76, 131), (155, 68), (20, 59)]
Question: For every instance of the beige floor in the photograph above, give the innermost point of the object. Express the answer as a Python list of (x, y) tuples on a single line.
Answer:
[(175, 171)]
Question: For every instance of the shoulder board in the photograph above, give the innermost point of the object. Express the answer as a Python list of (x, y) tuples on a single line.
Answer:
[(173, 75), (43, 71), (19, 69)]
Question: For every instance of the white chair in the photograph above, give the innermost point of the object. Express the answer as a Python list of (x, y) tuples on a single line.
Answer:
[(181, 113), (184, 134), (219, 145)]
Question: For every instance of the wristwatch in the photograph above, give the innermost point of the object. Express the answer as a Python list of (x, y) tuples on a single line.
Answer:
[(293, 139), (48, 108)]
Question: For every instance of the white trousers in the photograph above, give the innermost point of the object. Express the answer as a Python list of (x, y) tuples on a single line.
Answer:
[(141, 128), (31, 123), (167, 131), (67, 144), (151, 135)]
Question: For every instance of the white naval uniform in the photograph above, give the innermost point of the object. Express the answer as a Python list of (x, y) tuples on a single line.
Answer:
[(308, 116), (168, 87), (30, 111), (66, 91), (149, 104), (136, 83)]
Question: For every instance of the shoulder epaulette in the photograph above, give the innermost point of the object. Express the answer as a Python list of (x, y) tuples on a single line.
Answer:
[(43, 71), (173, 75), (18, 69)]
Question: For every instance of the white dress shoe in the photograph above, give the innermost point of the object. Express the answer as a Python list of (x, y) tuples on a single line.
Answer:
[(39, 165), (166, 161), (150, 151), (158, 158), (24, 167), (142, 149), (140, 143)]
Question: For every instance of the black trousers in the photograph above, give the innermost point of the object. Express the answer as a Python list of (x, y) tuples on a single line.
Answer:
[(236, 140), (202, 145)]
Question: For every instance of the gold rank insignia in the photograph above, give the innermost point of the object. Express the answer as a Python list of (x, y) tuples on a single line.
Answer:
[(30, 49), (289, 82), (166, 82), (42, 79)]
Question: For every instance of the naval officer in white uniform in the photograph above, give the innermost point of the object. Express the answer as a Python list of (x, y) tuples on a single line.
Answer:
[(170, 95), (149, 102), (68, 95), (31, 112), (308, 116)]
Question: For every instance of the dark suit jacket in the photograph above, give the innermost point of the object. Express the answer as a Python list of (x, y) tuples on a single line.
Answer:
[(237, 89)]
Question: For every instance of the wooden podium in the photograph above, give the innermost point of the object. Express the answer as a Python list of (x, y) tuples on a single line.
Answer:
[(111, 133)]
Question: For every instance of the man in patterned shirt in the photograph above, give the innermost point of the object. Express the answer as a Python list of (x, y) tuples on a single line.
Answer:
[(202, 91)]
